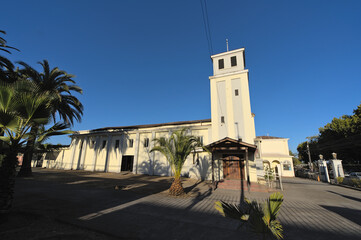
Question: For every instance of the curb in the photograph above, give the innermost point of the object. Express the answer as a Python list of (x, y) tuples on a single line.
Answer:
[(345, 186)]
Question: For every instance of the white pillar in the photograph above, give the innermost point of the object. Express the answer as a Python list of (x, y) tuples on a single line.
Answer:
[(106, 166), (96, 146), (136, 154), (322, 166), (152, 155), (62, 159), (83, 152), (337, 168), (75, 143), (120, 152)]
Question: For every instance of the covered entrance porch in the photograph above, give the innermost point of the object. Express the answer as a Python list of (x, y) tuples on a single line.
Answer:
[(230, 161)]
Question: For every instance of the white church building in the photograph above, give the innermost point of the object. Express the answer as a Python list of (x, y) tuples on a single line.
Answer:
[(235, 151)]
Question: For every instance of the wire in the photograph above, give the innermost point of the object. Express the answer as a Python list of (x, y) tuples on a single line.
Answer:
[(209, 29), (206, 26)]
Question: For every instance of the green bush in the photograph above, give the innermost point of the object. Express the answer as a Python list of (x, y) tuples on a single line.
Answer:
[(269, 174), (356, 183), (339, 180)]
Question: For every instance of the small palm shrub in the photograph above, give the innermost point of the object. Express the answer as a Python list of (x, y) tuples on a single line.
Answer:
[(339, 180), (260, 218)]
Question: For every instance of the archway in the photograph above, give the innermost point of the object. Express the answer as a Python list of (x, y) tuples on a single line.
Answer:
[(276, 166)]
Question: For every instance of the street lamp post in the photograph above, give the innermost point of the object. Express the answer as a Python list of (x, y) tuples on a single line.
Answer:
[(309, 157)]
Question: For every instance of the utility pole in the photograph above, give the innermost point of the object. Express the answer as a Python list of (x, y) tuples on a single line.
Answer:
[(309, 157)]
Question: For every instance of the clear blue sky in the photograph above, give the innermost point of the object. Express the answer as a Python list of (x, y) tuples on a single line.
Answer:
[(142, 62)]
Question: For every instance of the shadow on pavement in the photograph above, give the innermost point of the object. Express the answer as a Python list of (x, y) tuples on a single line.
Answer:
[(350, 214), (346, 196)]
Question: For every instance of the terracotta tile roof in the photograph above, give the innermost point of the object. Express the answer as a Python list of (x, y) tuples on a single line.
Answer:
[(268, 137), (153, 125)]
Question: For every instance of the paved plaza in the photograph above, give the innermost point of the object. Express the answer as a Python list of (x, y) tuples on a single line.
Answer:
[(114, 206)]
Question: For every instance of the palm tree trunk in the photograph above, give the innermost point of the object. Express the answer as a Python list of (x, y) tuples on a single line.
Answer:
[(176, 189), (7, 180), (1, 142), (25, 170)]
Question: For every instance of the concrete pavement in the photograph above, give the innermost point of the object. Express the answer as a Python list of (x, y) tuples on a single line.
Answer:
[(142, 209)]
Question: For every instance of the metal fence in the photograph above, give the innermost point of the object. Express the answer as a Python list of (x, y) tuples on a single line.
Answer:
[(271, 180)]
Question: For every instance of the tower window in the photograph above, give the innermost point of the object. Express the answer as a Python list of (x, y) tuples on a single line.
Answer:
[(233, 61), (236, 92), (131, 141), (221, 63), (146, 142), (104, 144), (116, 144), (222, 119)]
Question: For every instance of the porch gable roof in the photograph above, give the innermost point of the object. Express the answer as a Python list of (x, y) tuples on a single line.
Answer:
[(230, 144)]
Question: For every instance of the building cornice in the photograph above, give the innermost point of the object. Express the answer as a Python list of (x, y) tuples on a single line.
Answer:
[(228, 74), (227, 53)]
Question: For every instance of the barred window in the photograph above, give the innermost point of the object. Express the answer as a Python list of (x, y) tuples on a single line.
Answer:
[(146, 142), (130, 143)]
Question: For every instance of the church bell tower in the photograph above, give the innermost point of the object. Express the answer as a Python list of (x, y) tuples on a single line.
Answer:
[(230, 100)]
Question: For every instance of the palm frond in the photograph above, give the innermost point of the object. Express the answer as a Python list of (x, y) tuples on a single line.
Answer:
[(53, 83), (176, 149), (56, 130), (231, 211), (260, 217)]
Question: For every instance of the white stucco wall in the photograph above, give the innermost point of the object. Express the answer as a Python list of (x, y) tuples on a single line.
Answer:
[(274, 151), (83, 154)]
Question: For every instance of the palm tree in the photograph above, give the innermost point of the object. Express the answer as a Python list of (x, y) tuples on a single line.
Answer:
[(18, 112), (58, 86), (260, 218), (6, 66), (176, 149)]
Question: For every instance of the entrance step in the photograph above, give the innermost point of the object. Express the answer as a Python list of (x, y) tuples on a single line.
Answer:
[(236, 185)]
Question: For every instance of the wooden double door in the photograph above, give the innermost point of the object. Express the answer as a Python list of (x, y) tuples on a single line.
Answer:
[(233, 167)]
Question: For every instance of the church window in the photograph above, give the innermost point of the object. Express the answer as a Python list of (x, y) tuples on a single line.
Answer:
[(104, 144), (236, 92), (222, 119), (221, 63), (116, 144), (131, 141), (201, 139), (233, 61), (146, 142), (287, 166)]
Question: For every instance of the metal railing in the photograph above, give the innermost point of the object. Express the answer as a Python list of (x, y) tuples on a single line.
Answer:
[(272, 180)]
